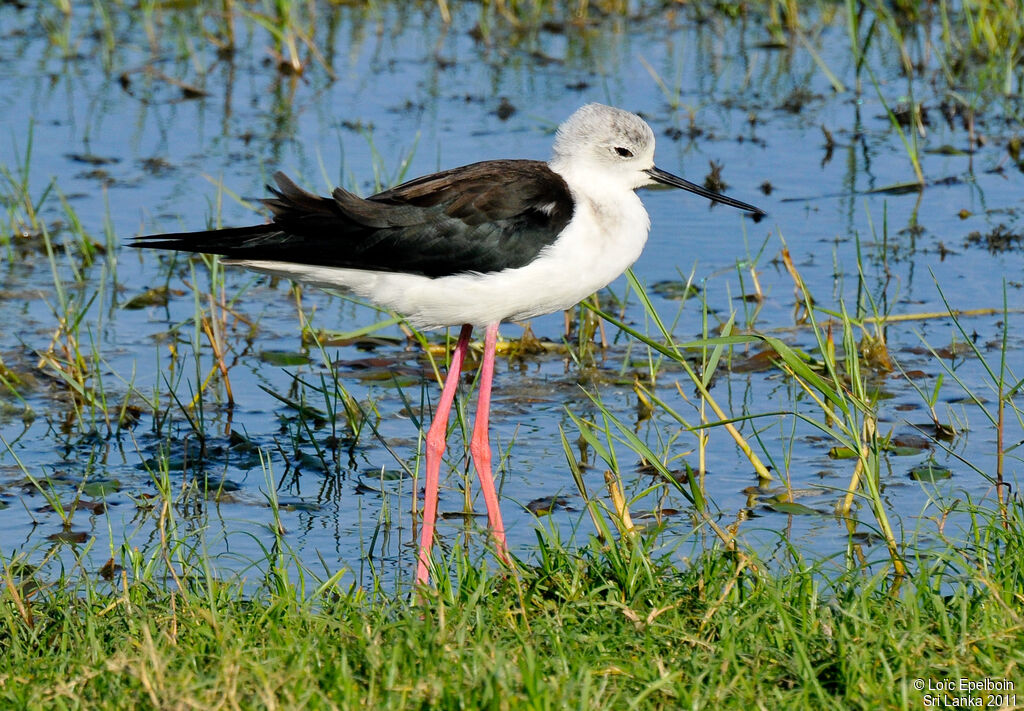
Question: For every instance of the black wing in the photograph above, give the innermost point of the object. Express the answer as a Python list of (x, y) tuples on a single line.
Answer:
[(482, 217)]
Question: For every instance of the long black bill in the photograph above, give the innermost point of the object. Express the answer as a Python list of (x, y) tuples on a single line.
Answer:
[(675, 181)]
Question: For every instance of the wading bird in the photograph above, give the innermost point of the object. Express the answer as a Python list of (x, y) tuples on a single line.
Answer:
[(501, 240)]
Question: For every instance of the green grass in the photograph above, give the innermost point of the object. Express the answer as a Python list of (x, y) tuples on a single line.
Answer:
[(971, 51), (603, 627)]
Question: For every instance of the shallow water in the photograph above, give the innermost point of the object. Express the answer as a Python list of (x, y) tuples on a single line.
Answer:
[(397, 94)]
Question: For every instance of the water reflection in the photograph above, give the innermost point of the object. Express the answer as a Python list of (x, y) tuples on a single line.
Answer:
[(130, 122)]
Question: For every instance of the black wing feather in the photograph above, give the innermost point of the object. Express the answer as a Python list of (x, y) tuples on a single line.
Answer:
[(482, 217)]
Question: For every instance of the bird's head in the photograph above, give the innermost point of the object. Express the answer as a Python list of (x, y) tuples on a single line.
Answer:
[(615, 148)]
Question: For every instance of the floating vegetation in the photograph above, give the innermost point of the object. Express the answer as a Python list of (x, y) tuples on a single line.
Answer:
[(999, 239)]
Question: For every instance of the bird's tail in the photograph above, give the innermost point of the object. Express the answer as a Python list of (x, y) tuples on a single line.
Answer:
[(226, 242), (289, 204)]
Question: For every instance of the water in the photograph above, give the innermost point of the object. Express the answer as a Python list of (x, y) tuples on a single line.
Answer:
[(393, 94)]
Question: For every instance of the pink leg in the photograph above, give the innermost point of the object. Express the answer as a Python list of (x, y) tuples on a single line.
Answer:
[(480, 446), (436, 436)]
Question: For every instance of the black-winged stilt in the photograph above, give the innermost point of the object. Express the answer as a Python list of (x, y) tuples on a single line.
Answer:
[(501, 240)]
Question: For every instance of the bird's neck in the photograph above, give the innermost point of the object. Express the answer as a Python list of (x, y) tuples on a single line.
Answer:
[(612, 202)]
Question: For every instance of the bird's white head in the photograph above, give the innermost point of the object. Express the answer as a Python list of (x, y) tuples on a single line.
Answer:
[(605, 143), (605, 147)]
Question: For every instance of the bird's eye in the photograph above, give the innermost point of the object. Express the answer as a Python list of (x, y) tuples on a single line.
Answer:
[(624, 152)]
